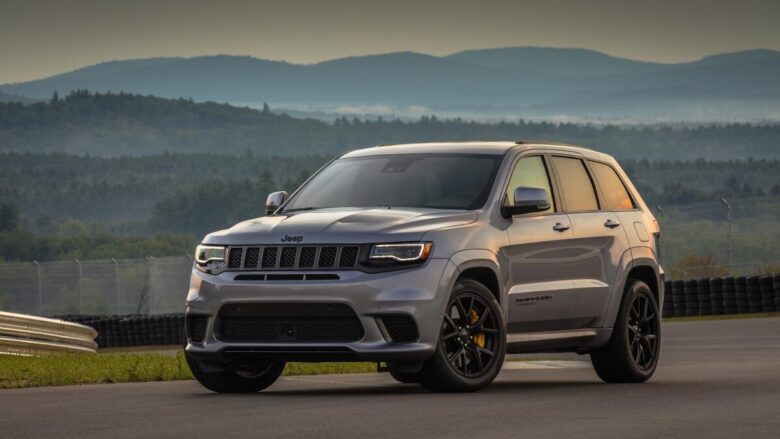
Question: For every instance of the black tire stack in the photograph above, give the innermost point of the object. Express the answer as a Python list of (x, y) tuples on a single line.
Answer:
[(767, 293), (134, 330), (716, 296), (776, 288), (678, 298), (729, 296), (668, 309), (703, 291), (691, 298), (753, 294), (740, 291)]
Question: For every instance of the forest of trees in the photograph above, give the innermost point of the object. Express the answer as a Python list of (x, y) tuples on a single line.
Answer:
[(101, 176), (124, 124)]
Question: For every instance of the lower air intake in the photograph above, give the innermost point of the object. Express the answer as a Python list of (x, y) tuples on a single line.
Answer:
[(401, 328)]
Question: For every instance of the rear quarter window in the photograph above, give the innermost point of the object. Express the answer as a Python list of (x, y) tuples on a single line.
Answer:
[(613, 190)]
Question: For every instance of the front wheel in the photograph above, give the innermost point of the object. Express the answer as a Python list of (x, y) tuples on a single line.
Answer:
[(472, 342), (631, 355), (250, 380)]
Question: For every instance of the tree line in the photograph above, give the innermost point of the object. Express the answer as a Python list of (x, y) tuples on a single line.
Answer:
[(125, 124)]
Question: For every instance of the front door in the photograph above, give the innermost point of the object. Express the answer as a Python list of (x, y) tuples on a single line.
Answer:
[(539, 254)]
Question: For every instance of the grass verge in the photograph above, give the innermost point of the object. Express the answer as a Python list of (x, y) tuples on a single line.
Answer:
[(759, 315), (62, 370)]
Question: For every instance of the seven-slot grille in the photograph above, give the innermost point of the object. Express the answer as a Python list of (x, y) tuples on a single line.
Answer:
[(301, 257)]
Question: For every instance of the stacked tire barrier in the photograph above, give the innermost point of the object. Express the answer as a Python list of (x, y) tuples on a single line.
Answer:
[(692, 297), (134, 330), (722, 295)]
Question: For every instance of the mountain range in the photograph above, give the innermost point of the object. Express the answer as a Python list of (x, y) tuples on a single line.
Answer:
[(529, 82)]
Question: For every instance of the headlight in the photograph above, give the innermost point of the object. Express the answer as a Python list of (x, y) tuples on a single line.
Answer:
[(210, 257), (410, 252)]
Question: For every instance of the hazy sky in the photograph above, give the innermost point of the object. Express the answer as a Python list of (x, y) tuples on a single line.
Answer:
[(42, 37)]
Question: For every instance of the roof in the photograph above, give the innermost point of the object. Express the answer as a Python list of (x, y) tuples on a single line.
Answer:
[(470, 147)]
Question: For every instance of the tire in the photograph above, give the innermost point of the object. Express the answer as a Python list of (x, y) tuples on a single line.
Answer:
[(405, 377), (235, 382), (621, 360), (478, 359)]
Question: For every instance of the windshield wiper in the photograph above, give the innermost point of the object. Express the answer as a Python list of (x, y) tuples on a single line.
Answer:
[(297, 209)]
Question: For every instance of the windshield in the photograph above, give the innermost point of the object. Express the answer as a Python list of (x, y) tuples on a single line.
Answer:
[(437, 181)]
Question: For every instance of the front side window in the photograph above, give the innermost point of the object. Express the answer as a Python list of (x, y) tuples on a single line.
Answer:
[(612, 188), (436, 181), (530, 172), (575, 184)]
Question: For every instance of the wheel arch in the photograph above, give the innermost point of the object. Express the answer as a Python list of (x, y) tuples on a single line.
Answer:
[(481, 266), (640, 266)]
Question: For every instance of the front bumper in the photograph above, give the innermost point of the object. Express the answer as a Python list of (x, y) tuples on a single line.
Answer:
[(417, 292)]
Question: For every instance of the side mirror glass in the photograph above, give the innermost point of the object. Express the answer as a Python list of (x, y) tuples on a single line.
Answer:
[(274, 200), (527, 200)]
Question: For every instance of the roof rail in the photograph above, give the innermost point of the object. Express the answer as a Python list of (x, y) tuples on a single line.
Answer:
[(542, 142)]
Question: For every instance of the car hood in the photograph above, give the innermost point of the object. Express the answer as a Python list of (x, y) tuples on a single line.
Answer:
[(341, 225)]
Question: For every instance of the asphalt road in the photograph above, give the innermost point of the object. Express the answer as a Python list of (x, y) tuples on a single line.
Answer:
[(716, 379)]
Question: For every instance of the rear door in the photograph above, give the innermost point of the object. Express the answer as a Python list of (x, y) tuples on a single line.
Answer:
[(599, 242), (538, 253)]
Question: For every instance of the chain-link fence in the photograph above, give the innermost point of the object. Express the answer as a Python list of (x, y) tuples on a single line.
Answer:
[(99, 287), (734, 237), (738, 236)]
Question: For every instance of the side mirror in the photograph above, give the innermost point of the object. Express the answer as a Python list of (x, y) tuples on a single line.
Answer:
[(274, 200), (527, 200)]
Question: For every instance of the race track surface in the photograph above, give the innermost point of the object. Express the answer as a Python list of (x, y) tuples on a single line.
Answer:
[(716, 379)]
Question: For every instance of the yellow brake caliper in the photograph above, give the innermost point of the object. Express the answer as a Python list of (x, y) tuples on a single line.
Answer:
[(479, 338)]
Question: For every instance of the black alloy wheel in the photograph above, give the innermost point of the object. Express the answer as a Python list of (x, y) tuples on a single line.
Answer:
[(632, 352), (469, 335), (642, 331)]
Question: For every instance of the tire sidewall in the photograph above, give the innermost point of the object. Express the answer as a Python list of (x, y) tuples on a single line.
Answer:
[(438, 364), (635, 289)]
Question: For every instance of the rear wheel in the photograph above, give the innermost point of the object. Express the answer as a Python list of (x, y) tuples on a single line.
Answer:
[(472, 342), (631, 356), (249, 380)]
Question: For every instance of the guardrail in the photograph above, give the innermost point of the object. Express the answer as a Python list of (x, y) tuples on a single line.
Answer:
[(29, 335)]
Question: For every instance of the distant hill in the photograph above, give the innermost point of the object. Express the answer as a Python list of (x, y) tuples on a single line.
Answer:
[(124, 124), (510, 82)]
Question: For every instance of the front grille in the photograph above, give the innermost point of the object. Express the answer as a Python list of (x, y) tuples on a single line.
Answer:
[(308, 257), (289, 323), (252, 256), (269, 257), (196, 327), (328, 257), (234, 260), (288, 257), (401, 328)]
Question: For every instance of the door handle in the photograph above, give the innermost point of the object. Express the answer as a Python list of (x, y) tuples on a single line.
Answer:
[(611, 224), (558, 227)]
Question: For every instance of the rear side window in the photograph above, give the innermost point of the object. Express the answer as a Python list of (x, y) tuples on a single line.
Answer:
[(612, 188), (575, 184)]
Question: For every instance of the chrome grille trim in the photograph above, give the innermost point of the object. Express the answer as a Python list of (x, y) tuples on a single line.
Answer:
[(338, 263)]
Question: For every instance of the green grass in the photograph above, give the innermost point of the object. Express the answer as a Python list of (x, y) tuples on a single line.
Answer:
[(759, 315), (168, 365), (61, 370)]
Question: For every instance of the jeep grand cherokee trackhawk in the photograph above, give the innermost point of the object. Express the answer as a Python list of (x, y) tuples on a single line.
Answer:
[(435, 260)]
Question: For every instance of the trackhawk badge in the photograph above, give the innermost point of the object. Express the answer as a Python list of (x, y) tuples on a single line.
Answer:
[(288, 238)]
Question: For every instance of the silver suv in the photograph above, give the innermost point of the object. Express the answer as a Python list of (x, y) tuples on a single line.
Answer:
[(434, 260)]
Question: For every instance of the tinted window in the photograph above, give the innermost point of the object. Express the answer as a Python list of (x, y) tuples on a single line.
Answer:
[(529, 172), (439, 181), (612, 188), (575, 184)]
